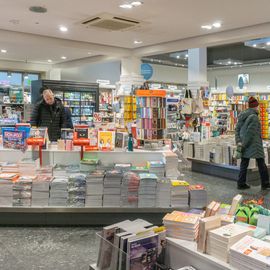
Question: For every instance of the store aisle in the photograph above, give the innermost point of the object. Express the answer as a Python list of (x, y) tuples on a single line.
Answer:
[(47, 248)]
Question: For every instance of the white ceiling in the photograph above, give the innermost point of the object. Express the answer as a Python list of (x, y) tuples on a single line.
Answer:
[(166, 21)]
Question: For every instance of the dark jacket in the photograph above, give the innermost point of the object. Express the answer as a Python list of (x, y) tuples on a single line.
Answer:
[(69, 123), (50, 116), (248, 132)]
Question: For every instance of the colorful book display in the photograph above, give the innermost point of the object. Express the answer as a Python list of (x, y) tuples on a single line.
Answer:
[(151, 114), (14, 139), (129, 109), (263, 105)]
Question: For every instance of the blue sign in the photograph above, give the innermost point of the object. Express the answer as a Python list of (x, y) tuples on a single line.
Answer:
[(146, 71)]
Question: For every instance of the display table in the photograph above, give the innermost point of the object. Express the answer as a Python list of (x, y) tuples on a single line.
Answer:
[(222, 170), (182, 253)]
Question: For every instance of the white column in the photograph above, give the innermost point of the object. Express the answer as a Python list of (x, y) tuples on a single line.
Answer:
[(197, 69), (130, 75), (53, 74)]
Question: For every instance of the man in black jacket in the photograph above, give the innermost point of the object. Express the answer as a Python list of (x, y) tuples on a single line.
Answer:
[(50, 113)]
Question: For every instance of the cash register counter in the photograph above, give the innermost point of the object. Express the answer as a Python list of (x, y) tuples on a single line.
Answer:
[(65, 216)]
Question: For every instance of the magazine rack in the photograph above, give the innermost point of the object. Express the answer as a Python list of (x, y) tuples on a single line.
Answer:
[(109, 256)]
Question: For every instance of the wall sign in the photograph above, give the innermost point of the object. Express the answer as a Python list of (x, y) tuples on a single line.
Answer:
[(146, 71)]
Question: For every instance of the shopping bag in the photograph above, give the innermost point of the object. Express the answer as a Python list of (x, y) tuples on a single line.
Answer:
[(187, 103)]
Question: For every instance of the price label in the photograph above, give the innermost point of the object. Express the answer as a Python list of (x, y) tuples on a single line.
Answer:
[(97, 117)]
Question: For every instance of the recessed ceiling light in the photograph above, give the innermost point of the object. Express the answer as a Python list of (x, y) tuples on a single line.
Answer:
[(183, 65), (217, 24), (63, 57), (25, 76), (254, 45), (207, 26), (49, 60), (136, 3), (126, 6), (89, 53), (186, 55), (229, 62), (9, 74), (63, 28), (235, 63), (3, 51), (138, 42), (177, 56)]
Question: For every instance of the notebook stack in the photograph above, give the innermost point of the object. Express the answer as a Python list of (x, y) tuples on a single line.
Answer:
[(157, 168), (94, 189), (76, 190), (41, 190), (250, 253), (147, 190), (6, 188), (163, 194), (182, 225), (197, 196), (112, 188), (59, 191), (221, 239), (171, 164), (22, 191), (89, 164), (179, 193), (129, 190), (28, 166), (124, 167)]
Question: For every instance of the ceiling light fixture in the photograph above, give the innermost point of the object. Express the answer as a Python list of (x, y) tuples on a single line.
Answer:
[(9, 74), (229, 62), (254, 45), (186, 55), (268, 43), (217, 24), (3, 51), (126, 6), (63, 57), (89, 53), (138, 42), (136, 3), (63, 28), (177, 56), (208, 27), (25, 76), (49, 60)]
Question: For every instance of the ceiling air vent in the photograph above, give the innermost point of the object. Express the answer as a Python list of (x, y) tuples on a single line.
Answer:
[(110, 22)]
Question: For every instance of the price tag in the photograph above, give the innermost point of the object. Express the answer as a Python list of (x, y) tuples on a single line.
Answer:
[(97, 117)]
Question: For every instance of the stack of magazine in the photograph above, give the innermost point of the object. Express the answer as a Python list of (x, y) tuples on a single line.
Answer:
[(147, 190), (124, 167), (76, 190), (129, 190), (59, 191), (41, 190), (22, 191), (94, 189), (171, 164), (250, 253), (28, 166), (163, 195), (157, 168), (197, 196), (89, 164), (6, 188), (112, 188), (179, 193)]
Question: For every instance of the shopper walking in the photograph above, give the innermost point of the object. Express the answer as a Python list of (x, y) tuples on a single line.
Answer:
[(248, 137), (49, 112)]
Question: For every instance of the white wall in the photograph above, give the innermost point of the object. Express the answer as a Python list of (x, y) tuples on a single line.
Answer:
[(259, 77), (92, 72)]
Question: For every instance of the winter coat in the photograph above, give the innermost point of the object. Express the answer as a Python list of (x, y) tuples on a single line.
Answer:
[(248, 132), (69, 123), (50, 116)]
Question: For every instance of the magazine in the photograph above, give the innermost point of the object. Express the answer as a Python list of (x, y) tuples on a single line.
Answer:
[(67, 134), (13, 139)]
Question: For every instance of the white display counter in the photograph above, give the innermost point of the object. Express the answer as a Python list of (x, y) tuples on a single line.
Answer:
[(182, 253)]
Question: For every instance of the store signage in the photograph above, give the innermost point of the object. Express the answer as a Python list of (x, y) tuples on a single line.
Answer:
[(172, 87), (97, 117), (155, 86), (146, 71), (103, 82)]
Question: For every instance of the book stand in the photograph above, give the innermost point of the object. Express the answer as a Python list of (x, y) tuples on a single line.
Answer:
[(81, 142)]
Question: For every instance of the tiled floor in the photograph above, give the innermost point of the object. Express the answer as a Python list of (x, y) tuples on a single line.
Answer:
[(35, 248)]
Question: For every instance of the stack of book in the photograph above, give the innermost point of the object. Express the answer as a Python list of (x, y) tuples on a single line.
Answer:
[(124, 167), (163, 194), (182, 225), (22, 191), (147, 190), (94, 189), (10, 168), (139, 169), (76, 190), (157, 168), (197, 196), (179, 193), (250, 253), (59, 192), (41, 190), (60, 171), (6, 188), (45, 171), (28, 166), (171, 164), (129, 190), (112, 188), (221, 239), (89, 164), (212, 208)]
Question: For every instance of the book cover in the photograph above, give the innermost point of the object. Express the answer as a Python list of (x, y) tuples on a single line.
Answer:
[(67, 134), (82, 132), (106, 140), (14, 140)]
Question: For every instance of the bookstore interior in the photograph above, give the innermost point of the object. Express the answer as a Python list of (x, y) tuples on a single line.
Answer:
[(142, 118)]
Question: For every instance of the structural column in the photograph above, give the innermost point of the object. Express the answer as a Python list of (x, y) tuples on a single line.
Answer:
[(130, 75), (197, 69)]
